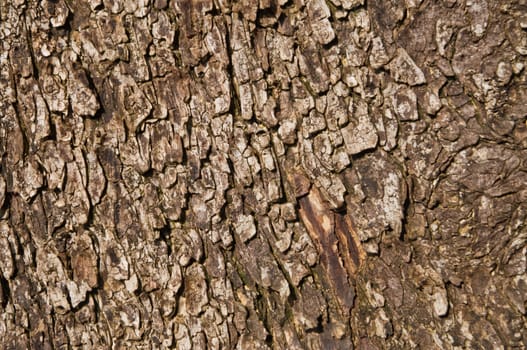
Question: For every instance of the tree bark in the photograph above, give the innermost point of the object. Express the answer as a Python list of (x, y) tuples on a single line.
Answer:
[(290, 174)]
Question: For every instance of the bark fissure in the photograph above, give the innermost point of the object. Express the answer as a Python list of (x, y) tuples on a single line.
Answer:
[(279, 174)]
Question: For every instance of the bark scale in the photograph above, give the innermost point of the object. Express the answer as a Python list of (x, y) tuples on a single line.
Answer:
[(299, 174)]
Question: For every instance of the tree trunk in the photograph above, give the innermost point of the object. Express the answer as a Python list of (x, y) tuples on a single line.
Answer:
[(290, 174)]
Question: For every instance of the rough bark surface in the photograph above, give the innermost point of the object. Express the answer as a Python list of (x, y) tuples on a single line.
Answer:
[(287, 174)]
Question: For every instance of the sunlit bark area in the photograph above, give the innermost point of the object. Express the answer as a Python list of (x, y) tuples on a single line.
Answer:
[(272, 174)]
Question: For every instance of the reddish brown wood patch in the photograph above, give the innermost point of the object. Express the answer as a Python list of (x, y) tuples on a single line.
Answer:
[(336, 240)]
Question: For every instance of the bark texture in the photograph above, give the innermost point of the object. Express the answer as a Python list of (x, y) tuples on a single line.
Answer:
[(286, 174)]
